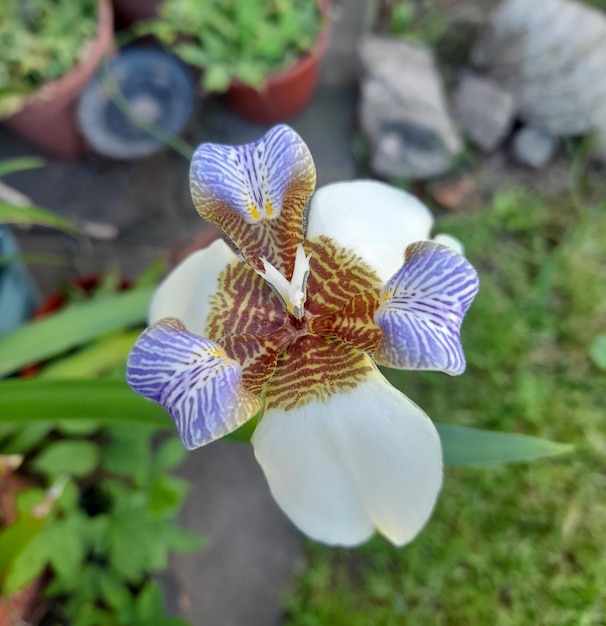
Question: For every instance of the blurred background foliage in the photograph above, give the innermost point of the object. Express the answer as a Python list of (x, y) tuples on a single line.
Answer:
[(518, 544)]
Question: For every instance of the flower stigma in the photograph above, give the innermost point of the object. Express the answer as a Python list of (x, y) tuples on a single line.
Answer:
[(292, 293)]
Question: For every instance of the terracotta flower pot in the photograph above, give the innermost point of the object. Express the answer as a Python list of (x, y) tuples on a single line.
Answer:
[(48, 118), (284, 94)]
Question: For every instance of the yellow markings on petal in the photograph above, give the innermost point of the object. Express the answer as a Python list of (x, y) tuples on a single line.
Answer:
[(257, 194)]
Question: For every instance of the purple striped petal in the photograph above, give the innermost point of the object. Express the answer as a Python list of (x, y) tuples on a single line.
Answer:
[(251, 179), (421, 310), (257, 194), (193, 379)]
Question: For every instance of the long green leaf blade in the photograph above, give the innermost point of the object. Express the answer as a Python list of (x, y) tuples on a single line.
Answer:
[(107, 401), (70, 328), (12, 214), (96, 400), (18, 164), (92, 360), (100, 400), (474, 447)]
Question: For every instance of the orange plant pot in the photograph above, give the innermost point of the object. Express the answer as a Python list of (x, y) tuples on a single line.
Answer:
[(48, 119), (284, 94)]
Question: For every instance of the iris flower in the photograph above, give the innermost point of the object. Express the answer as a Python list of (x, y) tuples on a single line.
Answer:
[(290, 319)]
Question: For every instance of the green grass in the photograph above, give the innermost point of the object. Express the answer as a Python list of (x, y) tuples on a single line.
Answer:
[(515, 545)]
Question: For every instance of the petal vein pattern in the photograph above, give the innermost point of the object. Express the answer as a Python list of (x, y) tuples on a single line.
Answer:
[(257, 193), (314, 368), (243, 303), (193, 379), (421, 310)]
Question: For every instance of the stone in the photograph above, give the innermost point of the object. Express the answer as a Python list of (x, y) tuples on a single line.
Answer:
[(551, 55), (403, 111), (533, 147), (484, 111)]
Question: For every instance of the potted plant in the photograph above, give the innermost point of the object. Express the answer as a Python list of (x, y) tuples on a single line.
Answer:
[(48, 52), (92, 515), (264, 54)]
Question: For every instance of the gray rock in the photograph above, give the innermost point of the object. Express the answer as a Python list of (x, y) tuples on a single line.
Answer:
[(533, 147), (552, 56), (403, 110), (483, 110)]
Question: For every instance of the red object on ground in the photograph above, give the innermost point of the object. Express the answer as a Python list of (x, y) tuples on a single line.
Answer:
[(49, 117)]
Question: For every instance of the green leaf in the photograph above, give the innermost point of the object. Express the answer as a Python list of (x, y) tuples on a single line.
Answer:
[(81, 604), (67, 548), (13, 214), (183, 539), (133, 549), (8, 166), (114, 592), (27, 565), (149, 604), (92, 360), (13, 541), (166, 495), (26, 437), (216, 79), (76, 458), (71, 327), (474, 447), (80, 428), (597, 351), (127, 451), (170, 454), (102, 400), (151, 276), (107, 401)]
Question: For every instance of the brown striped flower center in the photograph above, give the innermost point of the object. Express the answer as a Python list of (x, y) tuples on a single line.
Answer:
[(297, 359)]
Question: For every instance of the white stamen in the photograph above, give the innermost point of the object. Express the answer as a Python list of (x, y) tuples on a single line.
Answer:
[(292, 292)]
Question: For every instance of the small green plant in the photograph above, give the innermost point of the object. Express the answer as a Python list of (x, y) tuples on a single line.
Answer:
[(231, 39), (110, 527), (422, 22), (98, 514), (517, 544), (40, 41)]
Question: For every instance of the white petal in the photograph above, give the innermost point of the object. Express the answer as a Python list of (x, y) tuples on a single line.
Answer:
[(185, 293), (450, 242), (376, 220), (367, 459)]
